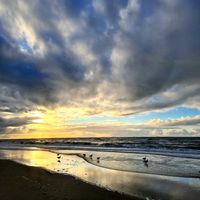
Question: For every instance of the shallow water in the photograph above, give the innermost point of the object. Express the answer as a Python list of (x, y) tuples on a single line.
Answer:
[(157, 164), (136, 184)]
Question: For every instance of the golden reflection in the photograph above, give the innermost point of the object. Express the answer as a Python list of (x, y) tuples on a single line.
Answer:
[(122, 181), (37, 157)]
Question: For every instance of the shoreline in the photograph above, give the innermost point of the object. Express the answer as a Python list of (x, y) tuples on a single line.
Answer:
[(160, 152), (19, 181), (139, 185)]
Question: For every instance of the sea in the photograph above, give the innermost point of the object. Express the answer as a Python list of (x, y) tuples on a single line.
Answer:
[(175, 146)]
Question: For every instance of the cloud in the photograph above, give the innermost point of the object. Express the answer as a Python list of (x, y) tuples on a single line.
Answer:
[(114, 57), (8, 124), (186, 121), (157, 51), (20, 74), (188, 126)]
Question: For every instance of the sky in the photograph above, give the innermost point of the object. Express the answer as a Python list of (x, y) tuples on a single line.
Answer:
[(101, 68)]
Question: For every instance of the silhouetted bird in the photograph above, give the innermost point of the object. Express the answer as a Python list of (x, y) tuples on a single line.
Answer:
[(145, 161), (144, 158)]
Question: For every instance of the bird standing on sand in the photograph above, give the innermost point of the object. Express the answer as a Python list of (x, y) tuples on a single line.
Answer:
[(91, 156)]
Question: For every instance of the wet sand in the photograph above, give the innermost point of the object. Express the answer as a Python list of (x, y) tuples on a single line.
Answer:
[(18, 181)]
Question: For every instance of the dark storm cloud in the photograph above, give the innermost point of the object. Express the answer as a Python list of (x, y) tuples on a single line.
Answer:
[(14, 122), (20, 74), (163, 48), (5, 124), (146, 53)]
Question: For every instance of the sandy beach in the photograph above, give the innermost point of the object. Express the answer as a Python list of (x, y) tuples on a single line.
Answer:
[(24, 182)]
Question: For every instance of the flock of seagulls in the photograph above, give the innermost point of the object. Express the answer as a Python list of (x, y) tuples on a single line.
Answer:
[(58, 157), (145, 160), (91, 157)]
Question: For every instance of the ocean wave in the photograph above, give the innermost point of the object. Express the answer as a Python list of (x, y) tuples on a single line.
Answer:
[(179, 147)]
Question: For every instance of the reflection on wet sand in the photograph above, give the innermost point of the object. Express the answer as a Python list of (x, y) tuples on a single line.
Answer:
[(151, 186)]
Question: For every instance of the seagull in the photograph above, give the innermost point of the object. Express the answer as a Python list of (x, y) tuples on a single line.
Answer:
[(144, 158), (145, 161)]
